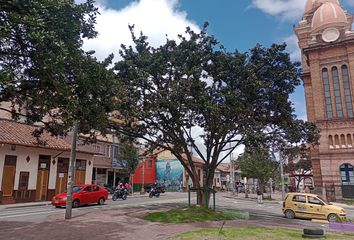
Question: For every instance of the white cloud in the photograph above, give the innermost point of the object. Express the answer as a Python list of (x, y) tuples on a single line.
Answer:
[(156, 18), (293, 47), (286, 9)]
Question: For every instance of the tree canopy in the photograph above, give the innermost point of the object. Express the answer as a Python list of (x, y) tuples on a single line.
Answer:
[(44, 72), (195, 84), (258, 164)]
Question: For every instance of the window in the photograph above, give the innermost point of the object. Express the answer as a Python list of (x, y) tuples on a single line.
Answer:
[(23, 181), (342, 141), (99, 148), (108, 151), (347, 174), (88, 189), (336, 140), (327, 93), (347, 93), (299, 198), (96, 188), (115, 151), (313, 200), (330, 141), (349, 140), (80, 164), (337, 95)]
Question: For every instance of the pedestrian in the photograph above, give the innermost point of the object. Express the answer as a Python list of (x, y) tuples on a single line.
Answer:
[(259, 196), (307, 189)]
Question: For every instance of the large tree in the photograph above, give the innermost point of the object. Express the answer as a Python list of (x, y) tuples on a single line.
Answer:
[(45, 73), (43, 70), (195, 84)]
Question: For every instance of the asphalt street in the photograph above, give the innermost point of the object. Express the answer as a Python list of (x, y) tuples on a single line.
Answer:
[(269, 211)]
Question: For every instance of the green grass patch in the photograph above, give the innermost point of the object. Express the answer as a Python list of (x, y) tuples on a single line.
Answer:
[(194, 214), (348, 201), (251, 234)]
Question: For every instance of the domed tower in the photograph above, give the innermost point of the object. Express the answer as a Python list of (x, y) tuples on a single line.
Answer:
[(326, 40)]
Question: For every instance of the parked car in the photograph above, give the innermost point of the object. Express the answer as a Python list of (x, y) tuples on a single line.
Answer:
[(82, 195), (307, 205), (148, 187)]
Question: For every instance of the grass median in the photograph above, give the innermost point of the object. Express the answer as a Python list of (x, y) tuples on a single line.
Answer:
[(251, 234), (194, 214)]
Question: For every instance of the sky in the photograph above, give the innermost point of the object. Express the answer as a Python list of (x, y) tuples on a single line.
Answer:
[(237, 24)]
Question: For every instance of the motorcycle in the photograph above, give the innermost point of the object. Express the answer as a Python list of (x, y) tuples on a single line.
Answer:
[(154, 192), (120, 193)]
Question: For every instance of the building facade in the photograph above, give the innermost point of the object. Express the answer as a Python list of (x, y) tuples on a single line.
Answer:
[(326, 40), (30, 171)]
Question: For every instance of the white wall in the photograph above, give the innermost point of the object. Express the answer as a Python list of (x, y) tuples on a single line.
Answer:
[(32, 166)]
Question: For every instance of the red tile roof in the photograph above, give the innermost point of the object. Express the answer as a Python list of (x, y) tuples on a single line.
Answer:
[(12, 132), (224, 167)]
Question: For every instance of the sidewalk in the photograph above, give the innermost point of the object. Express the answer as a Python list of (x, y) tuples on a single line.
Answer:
[(276, 197)]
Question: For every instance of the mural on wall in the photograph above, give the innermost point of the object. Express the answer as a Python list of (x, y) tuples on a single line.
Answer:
[(170, 174)]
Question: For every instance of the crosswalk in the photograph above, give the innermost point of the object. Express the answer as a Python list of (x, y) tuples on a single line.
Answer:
[(18, 213)]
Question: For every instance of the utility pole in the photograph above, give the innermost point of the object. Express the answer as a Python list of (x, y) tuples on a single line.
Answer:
[(71, 174), (142, 191), (233, 175), (282, 177)]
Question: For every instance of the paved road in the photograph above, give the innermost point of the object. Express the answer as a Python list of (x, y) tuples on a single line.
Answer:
[(268, 211), (40, 213)]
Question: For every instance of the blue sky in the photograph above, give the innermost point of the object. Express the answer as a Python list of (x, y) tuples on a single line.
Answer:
[(237, 24)]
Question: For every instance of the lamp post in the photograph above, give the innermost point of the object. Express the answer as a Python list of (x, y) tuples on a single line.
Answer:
[(282, 177), (142, 191)]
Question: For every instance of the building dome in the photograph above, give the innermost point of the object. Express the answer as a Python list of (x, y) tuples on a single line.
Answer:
[(329, 14), (311, 4)]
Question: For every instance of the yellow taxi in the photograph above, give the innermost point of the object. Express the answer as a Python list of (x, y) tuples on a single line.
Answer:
[(307, 205)]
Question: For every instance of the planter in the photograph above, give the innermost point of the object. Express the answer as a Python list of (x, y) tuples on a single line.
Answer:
[(342, 226)]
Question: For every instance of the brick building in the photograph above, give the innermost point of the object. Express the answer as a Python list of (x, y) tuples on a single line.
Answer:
[(326, 40)]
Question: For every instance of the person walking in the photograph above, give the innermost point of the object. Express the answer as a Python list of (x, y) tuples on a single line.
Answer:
[(259, 196)]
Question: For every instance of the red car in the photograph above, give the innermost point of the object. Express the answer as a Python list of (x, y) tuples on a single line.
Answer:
[(82, 195)]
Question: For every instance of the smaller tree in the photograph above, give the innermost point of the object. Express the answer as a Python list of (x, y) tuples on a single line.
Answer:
[(257, 163), (299, 163), (129, 155)]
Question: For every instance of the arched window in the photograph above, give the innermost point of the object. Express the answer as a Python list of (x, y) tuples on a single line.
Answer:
[(342, 141), (336, 141), (327, 92), (337, 94), (347, 93), (330, 141), (349, 140), (347, 174)]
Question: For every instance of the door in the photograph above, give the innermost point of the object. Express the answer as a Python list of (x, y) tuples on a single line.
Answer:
[(299, 205), (80, 172), (315, 208), (79, 177), (62, 175), (87, 195), (42, 178), (61, 182), (8, 177)]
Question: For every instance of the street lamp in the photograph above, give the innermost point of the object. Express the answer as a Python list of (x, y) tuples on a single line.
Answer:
[(142, 159)]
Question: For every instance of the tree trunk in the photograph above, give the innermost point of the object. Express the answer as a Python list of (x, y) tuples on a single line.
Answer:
[(71, 174)]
